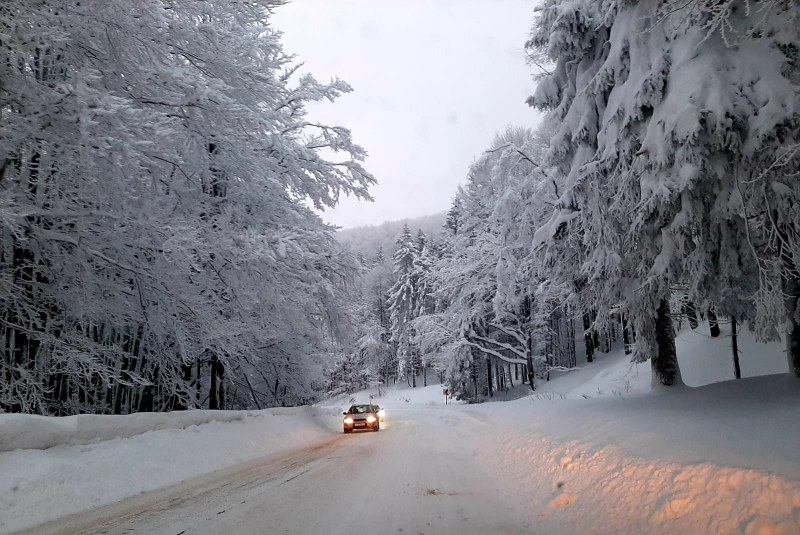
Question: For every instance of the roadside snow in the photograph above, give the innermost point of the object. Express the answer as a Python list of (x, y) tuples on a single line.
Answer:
[(594, 451), (40, 485), (575, 487), (24, 431), (720, 458)]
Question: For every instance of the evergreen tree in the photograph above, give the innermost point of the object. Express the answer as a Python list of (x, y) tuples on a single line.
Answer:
[(402, 300), (656, 152)]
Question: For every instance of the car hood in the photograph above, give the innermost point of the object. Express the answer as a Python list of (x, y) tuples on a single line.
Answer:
[(359, 417)]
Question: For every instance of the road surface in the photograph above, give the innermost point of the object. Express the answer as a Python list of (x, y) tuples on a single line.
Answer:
[(414, 477)]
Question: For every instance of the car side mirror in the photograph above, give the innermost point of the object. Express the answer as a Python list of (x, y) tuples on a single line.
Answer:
[(344, 413)]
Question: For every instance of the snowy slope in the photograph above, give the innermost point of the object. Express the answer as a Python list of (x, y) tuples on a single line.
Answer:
[(703, 360)]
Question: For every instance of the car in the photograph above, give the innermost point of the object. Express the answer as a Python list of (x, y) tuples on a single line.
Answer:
[(363, 417)]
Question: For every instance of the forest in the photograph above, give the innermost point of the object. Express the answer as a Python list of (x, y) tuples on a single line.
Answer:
[(652, 194), (161, 183)]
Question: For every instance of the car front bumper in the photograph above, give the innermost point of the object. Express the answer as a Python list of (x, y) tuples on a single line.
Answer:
[(361, 425)]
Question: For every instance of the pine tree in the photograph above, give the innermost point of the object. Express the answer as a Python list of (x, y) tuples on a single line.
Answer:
[(402, 300), (657, 152)]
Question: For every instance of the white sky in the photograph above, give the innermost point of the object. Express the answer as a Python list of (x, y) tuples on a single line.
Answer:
[(433, 81)]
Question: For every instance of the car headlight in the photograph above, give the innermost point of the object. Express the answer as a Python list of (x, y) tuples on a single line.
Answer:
[(348, 420), (371, 419), (381, 413)]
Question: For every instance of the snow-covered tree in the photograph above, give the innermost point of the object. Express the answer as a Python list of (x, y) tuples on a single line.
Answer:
[(156, 248), (661, 158), (493, 309), (402, 301)]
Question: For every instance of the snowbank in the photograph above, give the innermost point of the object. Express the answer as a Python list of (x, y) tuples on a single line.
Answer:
[(578, 488), (750, 423), (37, 485), (22, 431)]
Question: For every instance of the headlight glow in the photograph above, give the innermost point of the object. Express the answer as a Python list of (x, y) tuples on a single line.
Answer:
[(381, 413), (371, 419), (348, 420)]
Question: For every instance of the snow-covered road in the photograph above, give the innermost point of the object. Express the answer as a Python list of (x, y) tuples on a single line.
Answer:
[(418, 475)]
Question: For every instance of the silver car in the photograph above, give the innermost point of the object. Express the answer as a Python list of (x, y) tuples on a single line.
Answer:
[(362, 418)]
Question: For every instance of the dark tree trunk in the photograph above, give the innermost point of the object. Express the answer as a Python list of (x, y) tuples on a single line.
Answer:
[(791, 291), (197, 384), (221, 375), (475, 377), (489, 375), (178, 403), (213, 401), (529, 358), (737, 371), (626, 334), (665, 362), (713, 324), (588, 339), (120, 390), (501, 378)]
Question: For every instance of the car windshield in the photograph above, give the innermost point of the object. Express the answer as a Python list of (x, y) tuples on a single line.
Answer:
[(360, 409)]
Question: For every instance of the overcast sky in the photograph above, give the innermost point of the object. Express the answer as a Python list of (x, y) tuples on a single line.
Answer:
[(433, 81)]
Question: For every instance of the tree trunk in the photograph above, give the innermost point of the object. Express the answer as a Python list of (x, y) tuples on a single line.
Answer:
[(501, 377), (690, 312), (489, 375), (737, 371), (213, 401), (197, 384), (529, 358), (221, 374), (626, 334), (713, 324), (791, 291), (588, 340), (665, 362)]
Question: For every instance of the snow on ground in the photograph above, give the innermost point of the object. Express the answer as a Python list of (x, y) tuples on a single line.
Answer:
[(591, 451), (39, 485), (25, 431), (715, 459), (575, 487), (703, 360)]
